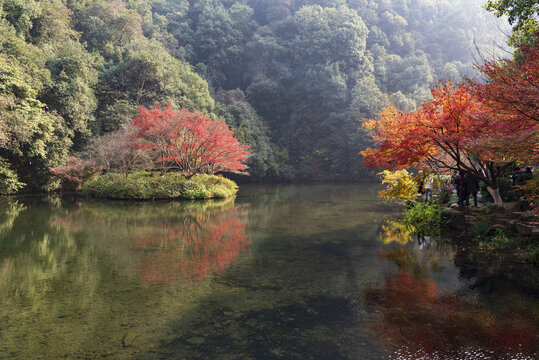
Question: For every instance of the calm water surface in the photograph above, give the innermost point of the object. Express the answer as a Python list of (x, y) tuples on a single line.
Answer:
[(279, 272)]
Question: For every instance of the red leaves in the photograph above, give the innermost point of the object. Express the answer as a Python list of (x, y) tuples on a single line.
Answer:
[(190, 143), (76, 172), (512, 86), (416, 318), (191, 251), (455, 128)]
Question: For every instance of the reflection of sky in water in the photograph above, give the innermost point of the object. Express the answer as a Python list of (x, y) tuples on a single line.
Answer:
[(279, 272)]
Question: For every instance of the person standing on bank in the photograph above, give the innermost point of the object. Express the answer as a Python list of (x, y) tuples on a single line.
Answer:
[(428, 188), (472, 188), (462, 188)]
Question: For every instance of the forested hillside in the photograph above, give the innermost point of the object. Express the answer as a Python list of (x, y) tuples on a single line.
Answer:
[(293, 78)]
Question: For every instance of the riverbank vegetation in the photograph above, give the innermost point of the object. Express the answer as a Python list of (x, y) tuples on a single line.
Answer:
[(292, 79), (144, 186), (161, 154), (509, 230)]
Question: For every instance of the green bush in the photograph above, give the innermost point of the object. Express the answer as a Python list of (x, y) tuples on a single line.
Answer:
[(9, 182), (424, 219), (144, 186), (482, 231)]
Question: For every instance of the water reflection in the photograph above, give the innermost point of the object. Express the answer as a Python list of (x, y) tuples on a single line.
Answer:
[(395, 231), (9, 210), (419, 320), (191, 250), (277, 273), (74, 277), (170, 241)]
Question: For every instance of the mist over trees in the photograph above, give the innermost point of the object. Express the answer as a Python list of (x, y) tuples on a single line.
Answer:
[(294, 79)]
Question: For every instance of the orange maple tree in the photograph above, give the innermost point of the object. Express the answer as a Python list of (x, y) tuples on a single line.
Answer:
[(189, 142), (456, 130)]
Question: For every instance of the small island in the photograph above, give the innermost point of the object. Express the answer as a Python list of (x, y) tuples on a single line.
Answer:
[(146, 186), (161, 154)]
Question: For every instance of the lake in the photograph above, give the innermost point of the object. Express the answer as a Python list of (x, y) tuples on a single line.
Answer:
[(279, 272)]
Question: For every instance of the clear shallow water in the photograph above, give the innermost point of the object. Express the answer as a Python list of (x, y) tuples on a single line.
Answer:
[(280, 272)]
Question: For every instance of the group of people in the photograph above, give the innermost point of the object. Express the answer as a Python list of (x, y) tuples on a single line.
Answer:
[(466, 185)]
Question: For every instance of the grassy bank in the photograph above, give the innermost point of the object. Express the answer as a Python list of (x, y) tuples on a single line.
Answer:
[(144, 186)]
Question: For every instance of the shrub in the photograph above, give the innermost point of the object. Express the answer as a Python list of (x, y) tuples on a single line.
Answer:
[(76, 172), (144, 186), (423, 219), (117, 152), (400, 186)]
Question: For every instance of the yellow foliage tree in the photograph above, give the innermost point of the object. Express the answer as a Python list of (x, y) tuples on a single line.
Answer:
[(400, 186)]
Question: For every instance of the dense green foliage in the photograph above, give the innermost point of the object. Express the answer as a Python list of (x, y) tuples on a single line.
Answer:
[(144, 186), (293, 78), (423, 219)]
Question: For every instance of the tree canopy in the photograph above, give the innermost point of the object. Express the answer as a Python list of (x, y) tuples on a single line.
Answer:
[(293, 78), (456, 131)]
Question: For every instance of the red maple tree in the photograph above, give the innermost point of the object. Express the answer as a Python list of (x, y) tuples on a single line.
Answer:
[(512, 86), (76, 172), (189, 142), (456, 130)]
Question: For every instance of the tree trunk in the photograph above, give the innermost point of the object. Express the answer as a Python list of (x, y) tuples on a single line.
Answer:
[(495, 193)]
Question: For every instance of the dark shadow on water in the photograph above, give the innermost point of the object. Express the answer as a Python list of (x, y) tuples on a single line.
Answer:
[(295, 331)]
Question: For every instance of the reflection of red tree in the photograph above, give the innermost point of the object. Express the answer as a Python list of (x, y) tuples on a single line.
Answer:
[(191, 250), (417, 317)]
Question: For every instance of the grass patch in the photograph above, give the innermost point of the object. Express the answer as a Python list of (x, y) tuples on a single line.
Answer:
[(144, 186)]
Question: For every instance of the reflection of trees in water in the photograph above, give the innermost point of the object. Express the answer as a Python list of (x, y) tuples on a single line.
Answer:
[(395, 231), (45, 273), (495, 275), (169, 240), (193, 248), (9, 210), (63, 271), (34, 259), (417, 319)]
